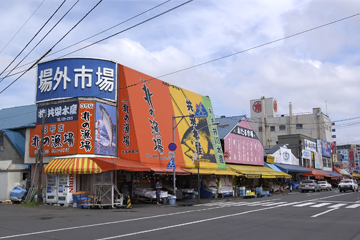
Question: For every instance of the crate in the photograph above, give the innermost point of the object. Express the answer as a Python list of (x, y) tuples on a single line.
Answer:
[(192, 196), (241, 193)]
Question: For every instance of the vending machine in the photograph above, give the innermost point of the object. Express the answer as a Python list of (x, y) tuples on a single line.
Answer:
[(51, 188), (66, 187)]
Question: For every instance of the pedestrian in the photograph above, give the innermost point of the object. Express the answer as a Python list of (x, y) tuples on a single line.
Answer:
[(290, 186), (158, 191), (253, 186), (218, 187)]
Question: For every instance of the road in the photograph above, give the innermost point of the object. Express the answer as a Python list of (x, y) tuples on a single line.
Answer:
[(323, 215)]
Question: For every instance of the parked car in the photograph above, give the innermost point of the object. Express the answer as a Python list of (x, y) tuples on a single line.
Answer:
[(310, 185), (348, 184), (324, 185)]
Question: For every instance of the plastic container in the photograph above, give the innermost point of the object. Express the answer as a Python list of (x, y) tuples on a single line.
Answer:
[(78, 196), (172, 199)]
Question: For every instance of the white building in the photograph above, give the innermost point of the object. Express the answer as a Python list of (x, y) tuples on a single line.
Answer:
[(268, 124)]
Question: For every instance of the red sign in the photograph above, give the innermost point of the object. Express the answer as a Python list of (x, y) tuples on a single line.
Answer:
[(257, 106), (275, 106), (226, 154), (172, 147)]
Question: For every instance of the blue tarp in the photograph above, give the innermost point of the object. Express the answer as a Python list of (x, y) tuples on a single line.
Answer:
[(292, 168), (333, 173), (18, 193)]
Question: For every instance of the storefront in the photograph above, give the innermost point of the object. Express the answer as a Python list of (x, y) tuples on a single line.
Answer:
[(101, 127)]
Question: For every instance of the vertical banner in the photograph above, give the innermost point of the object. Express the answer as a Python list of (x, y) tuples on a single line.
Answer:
[(318, 155), (351, 159), (86, 127), (105, 129)]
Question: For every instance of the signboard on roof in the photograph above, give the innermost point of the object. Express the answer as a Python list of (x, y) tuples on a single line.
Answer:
[(62, 112), (76, 77)]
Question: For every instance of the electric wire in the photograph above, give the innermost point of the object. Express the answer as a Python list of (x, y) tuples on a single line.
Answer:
[(149, 19), (22, 26), (51, 48), (41, 40), (95, 34), (34, 36)]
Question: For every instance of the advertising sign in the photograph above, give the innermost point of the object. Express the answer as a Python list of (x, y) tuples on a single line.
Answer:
[(345, 153), (86, 127), (309, 145), (306, 154), (76, 77), (285, 155), (318, 155), (243, 145), (351, 158), (59, 139), (62, 112), (326, 148), (105, 129)]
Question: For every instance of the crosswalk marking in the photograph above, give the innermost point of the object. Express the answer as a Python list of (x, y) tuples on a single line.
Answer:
[(353, 206), (283, 204), (337, 205), (320, 205), (304, 204)]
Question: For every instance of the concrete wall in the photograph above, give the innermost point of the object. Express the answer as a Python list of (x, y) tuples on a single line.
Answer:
[(10, 153)]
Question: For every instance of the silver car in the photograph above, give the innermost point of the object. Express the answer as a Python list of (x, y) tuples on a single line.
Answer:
[(310, 185), (324, 185)]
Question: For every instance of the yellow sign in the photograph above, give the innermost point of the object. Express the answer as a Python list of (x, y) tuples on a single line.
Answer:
[(270, 159)]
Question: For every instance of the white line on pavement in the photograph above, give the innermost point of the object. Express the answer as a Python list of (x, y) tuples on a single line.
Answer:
[(316, 215), (353, 206), (320, 205), (156, 216)]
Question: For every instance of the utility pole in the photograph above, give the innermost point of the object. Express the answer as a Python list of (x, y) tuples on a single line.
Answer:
[(41, 155)]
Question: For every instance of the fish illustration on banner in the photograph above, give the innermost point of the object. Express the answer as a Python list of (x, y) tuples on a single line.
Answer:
[(105, 129)]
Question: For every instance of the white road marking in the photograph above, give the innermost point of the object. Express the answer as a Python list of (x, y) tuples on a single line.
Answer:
[(304, 204), (353, 206), (320, 205), (337, 205), (156, 216), (316, 215)]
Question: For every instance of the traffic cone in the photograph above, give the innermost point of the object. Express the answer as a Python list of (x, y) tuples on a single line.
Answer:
[(128, 203)]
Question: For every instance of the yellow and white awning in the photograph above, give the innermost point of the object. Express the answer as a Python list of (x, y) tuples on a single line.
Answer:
[(72, 166), (212, 171), (257, 171)]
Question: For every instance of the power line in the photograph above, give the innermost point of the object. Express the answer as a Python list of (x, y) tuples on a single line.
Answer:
[(246, 50), (41, 40), (52, 47), (34, 37), (149, 19), (22, 26), (94, 35)]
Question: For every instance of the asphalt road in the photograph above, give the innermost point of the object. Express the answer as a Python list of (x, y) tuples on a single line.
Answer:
[(323, 215)]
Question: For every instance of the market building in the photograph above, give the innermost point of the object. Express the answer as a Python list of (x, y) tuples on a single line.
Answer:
[(109, 126), (244, 154)]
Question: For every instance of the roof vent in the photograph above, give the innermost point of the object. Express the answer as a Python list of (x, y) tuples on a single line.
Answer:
[(223, 116)]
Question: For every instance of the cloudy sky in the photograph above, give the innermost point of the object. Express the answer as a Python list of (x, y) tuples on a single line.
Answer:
[(319, 68)]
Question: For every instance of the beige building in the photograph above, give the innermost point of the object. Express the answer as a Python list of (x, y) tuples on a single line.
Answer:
[(268, 124)]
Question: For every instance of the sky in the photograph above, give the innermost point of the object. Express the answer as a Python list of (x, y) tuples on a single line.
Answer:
[(318, 68)]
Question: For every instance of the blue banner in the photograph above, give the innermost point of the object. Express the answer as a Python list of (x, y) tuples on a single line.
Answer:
[(55, 113), (76, 77), (326, 148)]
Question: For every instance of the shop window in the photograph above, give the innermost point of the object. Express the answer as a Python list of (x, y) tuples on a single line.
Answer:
[(272, 128), (282, 127), (299, 126), (260, 129), (324, 162)]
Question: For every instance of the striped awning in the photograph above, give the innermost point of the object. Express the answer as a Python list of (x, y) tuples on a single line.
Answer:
[(72, 166)]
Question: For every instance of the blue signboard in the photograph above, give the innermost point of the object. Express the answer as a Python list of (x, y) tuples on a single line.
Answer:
[(54, 113), (326, 148), (345, 153), (76, 77), (201, 111), (171, 164)]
